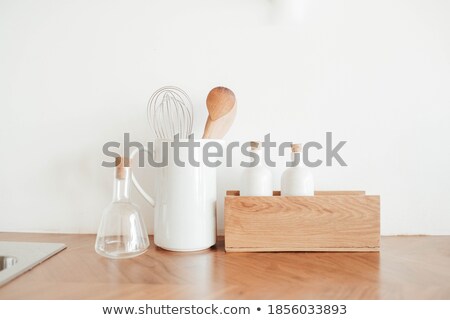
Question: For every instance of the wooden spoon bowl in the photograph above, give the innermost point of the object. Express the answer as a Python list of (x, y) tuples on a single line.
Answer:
[(221, 104)]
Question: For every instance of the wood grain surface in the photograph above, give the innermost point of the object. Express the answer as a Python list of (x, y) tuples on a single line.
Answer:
[(414, 267), (329, 221)]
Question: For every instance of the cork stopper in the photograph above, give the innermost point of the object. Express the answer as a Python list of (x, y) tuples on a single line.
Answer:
[(121, 164), (255, 145), (296, 147)]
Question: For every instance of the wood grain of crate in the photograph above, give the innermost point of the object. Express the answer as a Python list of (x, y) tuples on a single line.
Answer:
[(327, 221)]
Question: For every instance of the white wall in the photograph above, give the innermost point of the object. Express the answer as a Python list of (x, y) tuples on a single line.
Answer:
[(75, 74)]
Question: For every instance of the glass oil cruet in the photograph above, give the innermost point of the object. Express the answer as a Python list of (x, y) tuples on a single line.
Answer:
[(122, 232)]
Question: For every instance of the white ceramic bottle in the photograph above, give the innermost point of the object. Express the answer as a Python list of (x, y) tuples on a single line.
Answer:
[(256, 180), (297, 180)]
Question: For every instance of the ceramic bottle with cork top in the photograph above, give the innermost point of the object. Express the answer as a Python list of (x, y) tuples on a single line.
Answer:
[(298, 179), (257, 179)]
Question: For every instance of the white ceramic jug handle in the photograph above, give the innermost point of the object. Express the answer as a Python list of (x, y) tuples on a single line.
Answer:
[(136, 183)]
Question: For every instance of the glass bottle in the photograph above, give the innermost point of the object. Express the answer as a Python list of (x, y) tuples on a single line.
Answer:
[(297, 180), (122, 232), (256, 180)]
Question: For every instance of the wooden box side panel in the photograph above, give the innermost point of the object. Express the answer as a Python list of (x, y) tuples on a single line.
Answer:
[(319, 223)]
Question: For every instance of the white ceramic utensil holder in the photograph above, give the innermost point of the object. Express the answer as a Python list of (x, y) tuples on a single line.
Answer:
[(184, 202)]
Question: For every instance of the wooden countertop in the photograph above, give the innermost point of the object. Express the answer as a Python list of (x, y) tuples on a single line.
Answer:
[(415, 267)]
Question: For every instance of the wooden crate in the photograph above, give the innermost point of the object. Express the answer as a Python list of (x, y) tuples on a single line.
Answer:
[(327, 221)]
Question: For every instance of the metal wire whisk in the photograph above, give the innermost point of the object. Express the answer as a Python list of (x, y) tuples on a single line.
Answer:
[(169, 112)]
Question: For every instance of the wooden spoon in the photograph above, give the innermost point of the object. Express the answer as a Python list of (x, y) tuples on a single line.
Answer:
[(221, 104)]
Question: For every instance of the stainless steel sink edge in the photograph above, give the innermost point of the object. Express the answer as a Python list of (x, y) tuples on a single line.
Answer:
[(27, 254)]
